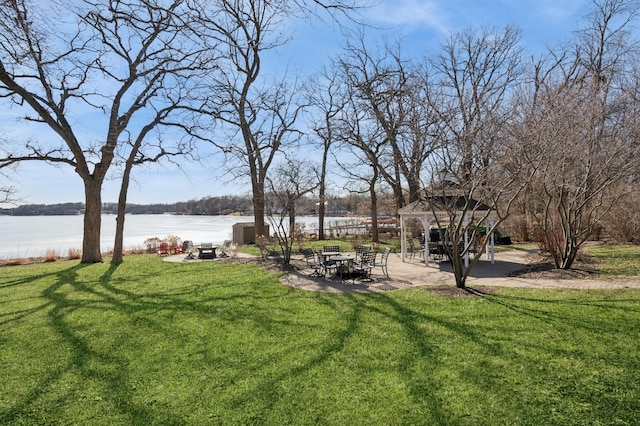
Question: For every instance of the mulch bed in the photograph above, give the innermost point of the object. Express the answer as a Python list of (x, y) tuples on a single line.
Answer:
[(270, 264), (542, 266)]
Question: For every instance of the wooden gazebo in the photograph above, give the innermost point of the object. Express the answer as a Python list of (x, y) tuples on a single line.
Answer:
[(435, 210)]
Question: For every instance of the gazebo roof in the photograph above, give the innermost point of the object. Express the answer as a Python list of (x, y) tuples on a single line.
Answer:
[(437, 205)]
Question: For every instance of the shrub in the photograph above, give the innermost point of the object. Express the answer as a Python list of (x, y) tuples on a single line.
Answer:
[(136, 250), (15, 262), (51, 256), (152, 244), (173, 240), (74, 254), (549, 241), (262, 242), (300, 235)]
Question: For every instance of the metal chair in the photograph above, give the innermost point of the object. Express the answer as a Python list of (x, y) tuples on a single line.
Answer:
[(383, 262), (366, 265), (331, 249), (436, 251), (225, 249), (328, 264), (312, 262), (187, 247), (360, 250), (412, 247)]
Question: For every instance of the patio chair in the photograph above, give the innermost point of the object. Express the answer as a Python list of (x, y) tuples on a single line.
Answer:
[(313, 262), (383, 262), (163, 249), (420, 248), (366, 265), (331, 249), (360, 250), (412, 248), (225, 250), (436, 251), (206, 251), (187, 247), (329, 265)]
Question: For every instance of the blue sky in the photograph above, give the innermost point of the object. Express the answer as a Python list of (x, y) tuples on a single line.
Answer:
[(421, 24)]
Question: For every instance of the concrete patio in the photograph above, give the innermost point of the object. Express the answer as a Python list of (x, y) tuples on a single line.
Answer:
[(414, 273)]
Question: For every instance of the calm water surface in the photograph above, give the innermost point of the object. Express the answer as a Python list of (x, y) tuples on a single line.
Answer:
[(32, 236)]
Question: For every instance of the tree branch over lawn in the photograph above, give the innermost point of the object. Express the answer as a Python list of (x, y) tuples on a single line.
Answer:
[(291, 182), (475, 180), (583, 118), (109, 63), (387, 88), (258, 116)]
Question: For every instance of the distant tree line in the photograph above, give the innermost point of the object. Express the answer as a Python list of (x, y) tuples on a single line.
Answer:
[(220, 205), (62, 209)]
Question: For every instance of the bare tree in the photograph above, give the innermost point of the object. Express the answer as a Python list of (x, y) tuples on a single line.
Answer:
[(141, 152), (583, 118), (475, 71), (259, 114), (476, 180), (326, 101), (8, 193), (623, 220), (115, 59), (291, 182), (364, 141), (386, 86)]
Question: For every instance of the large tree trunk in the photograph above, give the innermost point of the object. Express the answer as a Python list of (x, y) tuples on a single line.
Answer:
[(458, 269), (321, 209), (118, 244), (375, 237), (91, 252), (414, 189), (292, 233), (258, 210)]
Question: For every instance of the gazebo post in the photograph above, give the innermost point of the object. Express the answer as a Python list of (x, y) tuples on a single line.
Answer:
[(427, 237), (403, 237)]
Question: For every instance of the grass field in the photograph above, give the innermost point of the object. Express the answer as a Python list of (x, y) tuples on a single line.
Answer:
[(151, 342)]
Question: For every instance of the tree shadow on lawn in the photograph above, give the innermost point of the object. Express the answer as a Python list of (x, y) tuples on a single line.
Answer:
[(350, 313), (69, 295)]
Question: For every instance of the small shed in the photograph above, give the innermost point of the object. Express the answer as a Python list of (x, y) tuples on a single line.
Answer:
[(434, 210), (245, 232)]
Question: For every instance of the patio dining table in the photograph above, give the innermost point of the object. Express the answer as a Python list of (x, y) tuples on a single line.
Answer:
[(344, 265)]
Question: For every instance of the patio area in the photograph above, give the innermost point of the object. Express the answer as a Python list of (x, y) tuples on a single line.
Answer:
[(414, 273)]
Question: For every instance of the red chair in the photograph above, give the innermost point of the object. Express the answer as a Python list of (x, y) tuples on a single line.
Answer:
[(163, 249), (177, 249)]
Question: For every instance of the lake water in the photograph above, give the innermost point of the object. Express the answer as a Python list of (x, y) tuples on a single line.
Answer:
[(33, 236)]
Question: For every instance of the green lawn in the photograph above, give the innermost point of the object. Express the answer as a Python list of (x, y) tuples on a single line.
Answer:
[(151, 342), (616, 261)]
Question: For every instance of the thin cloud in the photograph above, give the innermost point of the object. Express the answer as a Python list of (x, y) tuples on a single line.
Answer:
[(559, 11), (415, 13)]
